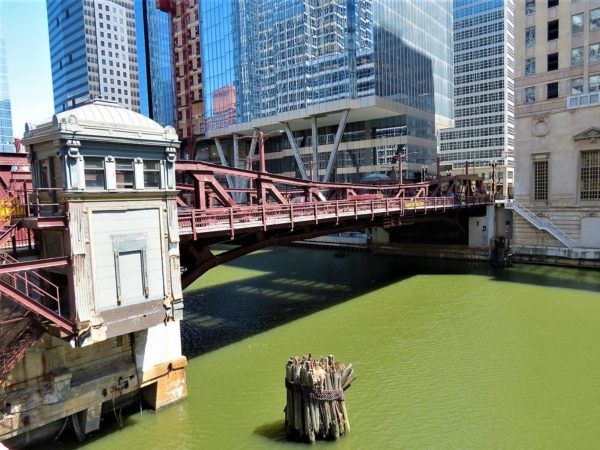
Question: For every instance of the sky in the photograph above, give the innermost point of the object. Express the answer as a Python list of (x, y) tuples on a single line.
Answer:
[(28, 56)]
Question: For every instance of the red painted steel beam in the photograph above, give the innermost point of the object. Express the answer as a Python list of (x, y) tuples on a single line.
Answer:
[(64, 325), (207, 260), (201, 166), (36, 264), (37, 223)]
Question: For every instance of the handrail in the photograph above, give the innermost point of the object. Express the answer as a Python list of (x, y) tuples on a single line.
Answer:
[(7, 232), (31, 204), (540, 222), (31, 282), (226, 219)]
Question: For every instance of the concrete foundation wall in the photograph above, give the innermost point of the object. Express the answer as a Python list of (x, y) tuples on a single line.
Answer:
[(54, 381)]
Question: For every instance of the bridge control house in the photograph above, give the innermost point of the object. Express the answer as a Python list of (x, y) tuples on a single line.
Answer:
[(104, 216)]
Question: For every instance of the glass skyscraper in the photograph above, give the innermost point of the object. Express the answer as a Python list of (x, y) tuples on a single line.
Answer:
[(376, 71), (157, 93), (6, 129)]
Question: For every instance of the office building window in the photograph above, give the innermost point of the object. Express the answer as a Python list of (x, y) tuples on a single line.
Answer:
[(530, 36), (94, 173), (594, 83), (589, 187), (577, 56), (529, 94), (577, 23), (577, 86), (595, 19), (530, 66), (540, 180), (552, 61), (552, 3), (595, 52), (552, 90), (552, 30), (529, 7)]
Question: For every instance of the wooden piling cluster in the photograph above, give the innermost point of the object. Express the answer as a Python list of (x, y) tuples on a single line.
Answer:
[(315, 407)]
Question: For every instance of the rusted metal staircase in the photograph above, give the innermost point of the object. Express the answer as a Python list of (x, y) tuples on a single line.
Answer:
[(30, 303)]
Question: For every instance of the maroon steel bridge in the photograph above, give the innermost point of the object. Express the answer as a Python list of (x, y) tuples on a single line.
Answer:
[(269, 209), (273, 209)]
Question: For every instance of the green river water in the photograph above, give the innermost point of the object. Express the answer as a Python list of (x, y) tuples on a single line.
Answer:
[(448, 354)]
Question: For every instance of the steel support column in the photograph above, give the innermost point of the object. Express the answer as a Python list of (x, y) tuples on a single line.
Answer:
[(223, 161), (252, 150), (295, 150), (336, 144)]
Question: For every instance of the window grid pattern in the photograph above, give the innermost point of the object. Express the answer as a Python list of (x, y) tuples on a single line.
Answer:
[(540, 180), (483, 98), (590, 175), (274, 56)]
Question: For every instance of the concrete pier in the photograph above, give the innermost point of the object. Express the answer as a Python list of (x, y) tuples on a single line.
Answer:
[(55, 382)]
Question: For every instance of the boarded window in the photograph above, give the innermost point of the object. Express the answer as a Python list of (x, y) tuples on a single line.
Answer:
[(94, 173), (124, 173), (540, 180), (151, 174), (590, 175)]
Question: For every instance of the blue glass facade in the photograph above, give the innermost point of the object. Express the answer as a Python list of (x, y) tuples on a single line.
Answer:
[(263, 59), (6, 129), (68, 53), (153, 31), (283, 55)]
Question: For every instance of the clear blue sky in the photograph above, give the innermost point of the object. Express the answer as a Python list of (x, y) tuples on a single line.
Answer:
[(28, 56)]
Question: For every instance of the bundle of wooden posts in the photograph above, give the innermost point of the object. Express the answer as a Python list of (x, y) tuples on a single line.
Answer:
[(315, 406)]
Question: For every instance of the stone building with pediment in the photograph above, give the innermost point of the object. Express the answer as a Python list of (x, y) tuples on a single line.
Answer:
[(557, 151)]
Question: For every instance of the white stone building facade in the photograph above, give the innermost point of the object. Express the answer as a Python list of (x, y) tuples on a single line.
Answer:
[(557, 128)]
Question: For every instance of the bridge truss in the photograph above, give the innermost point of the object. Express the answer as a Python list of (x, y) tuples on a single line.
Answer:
[(275, 209)]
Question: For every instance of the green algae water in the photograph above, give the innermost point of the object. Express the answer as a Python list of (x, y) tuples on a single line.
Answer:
[(448, 355)]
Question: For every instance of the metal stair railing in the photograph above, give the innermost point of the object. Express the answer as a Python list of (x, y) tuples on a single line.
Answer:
[(36, 294), (540, 223), (32, 284), (8, 232)]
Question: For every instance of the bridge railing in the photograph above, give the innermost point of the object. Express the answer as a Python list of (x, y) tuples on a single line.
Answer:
[(228, 219)]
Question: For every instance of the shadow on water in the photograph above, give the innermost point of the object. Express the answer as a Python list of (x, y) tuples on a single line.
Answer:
[(284, 284), (274, 431), (288, 283)]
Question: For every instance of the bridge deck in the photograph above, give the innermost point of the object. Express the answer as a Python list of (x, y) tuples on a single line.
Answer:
[(226, 221)]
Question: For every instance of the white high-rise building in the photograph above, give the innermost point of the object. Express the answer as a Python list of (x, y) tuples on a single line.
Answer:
[(484, 60)]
